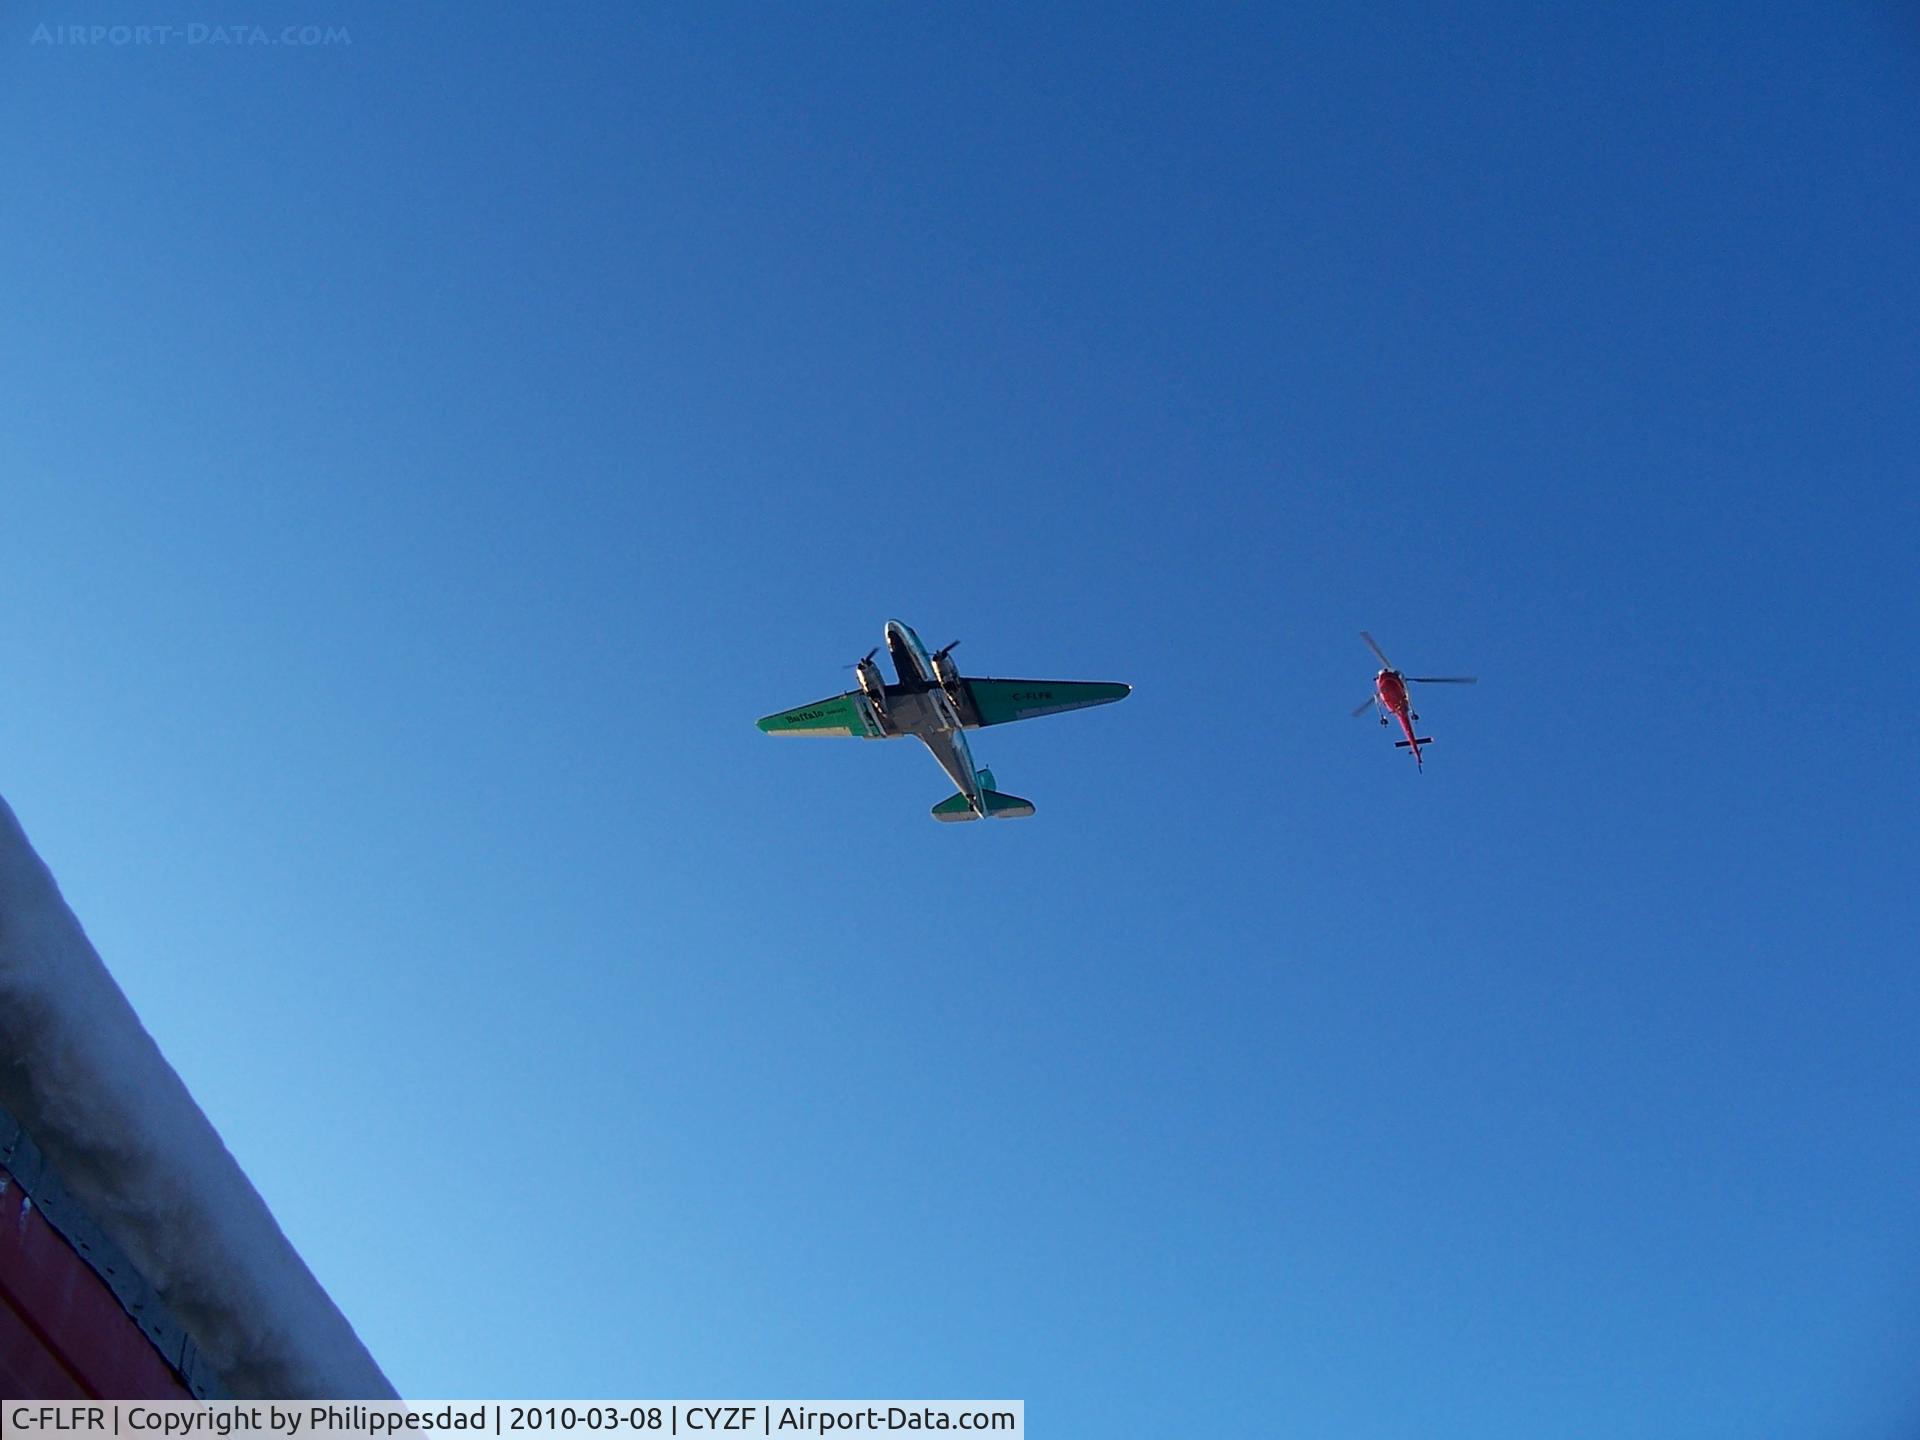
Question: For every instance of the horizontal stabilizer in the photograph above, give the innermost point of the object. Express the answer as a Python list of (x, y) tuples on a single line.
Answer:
[(1000, 807), (955, 807), (1402, 744)]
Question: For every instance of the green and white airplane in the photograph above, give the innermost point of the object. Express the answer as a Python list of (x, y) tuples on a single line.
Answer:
[(935, 703)]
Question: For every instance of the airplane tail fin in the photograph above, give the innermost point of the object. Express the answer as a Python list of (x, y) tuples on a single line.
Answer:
[(1000, 807)]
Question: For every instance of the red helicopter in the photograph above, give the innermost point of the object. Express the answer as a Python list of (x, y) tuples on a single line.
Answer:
[(1390, 695)]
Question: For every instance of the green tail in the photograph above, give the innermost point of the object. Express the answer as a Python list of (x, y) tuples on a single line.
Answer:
[(1000, 807)]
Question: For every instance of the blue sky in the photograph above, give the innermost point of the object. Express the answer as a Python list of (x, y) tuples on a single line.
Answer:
[(427, 455)]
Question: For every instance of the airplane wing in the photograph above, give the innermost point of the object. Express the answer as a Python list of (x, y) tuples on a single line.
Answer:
[(999, 701), (847, 714)]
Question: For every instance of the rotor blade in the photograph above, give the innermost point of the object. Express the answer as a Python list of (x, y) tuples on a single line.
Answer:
[(1364, 706), (1376, 649), (1442, 679)]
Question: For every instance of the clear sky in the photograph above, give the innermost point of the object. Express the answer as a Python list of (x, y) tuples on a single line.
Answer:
[(426, 456)]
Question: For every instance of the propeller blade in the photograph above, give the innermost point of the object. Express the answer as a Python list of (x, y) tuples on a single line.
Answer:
[(1442, 679), (863, 659), (1376, 649), (946, 650)]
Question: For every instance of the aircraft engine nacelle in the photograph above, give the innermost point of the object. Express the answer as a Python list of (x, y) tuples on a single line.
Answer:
[(945, 671), (874, 687)]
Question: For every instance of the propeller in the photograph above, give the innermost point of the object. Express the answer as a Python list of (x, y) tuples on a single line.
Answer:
[(1442, 679), (1376, 649), (939, 658), (863, 659)]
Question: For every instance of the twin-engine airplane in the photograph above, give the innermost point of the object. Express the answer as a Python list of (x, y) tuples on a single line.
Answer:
[(935, 703)]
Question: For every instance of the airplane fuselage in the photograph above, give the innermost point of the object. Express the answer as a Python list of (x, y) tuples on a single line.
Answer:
[(919, 705)]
